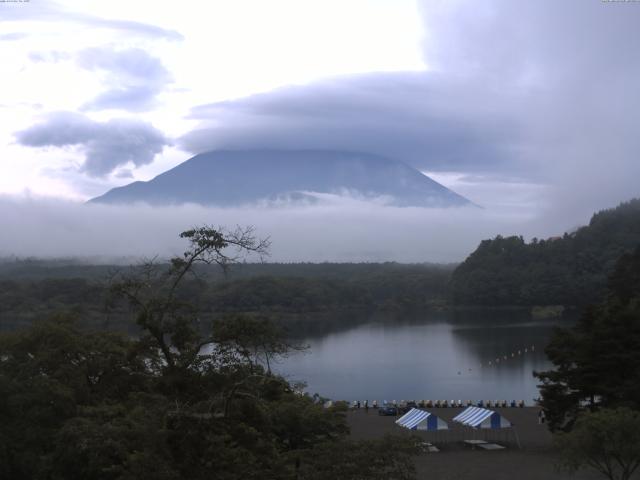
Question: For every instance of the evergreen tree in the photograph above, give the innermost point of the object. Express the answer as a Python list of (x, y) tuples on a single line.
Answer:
[(597, 362)]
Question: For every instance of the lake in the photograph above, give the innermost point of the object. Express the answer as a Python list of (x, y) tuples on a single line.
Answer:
[(453, 355)]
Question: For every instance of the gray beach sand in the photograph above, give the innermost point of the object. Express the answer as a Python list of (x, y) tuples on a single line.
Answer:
[(456, 461)]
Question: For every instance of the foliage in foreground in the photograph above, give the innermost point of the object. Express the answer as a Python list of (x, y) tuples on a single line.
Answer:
[(597, 362), (607, 441), (389, 459), (173, 403)]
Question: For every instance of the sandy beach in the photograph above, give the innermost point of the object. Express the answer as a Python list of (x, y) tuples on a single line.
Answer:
[(457, 461)]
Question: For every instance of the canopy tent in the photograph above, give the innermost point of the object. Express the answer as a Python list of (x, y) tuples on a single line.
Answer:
[(416, 419), (477, 417)]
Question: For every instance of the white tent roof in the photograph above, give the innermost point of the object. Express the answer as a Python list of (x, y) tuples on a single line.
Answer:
[(481, 418), (416, 419)]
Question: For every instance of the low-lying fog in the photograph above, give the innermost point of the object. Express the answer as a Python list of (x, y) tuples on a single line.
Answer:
[(335, 229)]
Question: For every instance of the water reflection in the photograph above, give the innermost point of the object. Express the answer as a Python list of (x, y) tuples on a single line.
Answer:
[(435, 356)]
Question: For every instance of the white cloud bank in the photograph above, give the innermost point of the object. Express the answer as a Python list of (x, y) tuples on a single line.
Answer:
[(337, 229)]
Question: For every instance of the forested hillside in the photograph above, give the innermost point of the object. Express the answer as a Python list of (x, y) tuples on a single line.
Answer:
[(567, 270)]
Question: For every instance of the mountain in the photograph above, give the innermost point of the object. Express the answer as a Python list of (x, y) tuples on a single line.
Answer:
[(567, 270), (233, 178)]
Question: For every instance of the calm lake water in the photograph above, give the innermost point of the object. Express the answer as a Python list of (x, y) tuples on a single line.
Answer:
[(430, 356)]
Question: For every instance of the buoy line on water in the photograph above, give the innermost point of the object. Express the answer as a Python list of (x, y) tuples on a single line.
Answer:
[(504, 358)]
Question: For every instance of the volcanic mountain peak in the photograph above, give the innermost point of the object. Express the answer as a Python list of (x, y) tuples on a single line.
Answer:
[(234, 178)]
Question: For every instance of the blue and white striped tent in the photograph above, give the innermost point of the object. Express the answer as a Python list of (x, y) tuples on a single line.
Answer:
[(477, 417), (416, 419)]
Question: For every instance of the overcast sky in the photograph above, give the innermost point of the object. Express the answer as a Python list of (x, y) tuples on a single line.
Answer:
[(529, 108)]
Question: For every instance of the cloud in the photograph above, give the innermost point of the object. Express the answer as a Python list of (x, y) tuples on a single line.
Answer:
[(13, 36), (134, 77), (128, 26), (337, 229), (105, 145), (400, 115), (53, 12), (52, 56), (572, 70), (124, 173), (540, 91), (535, 43)]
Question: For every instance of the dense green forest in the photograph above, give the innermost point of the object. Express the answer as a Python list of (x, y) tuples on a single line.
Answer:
[(597, 362), (567, 270), (93, 269), (301, 296)]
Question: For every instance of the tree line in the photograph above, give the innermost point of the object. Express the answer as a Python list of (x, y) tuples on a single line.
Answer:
[(289, 298), (568, 270)]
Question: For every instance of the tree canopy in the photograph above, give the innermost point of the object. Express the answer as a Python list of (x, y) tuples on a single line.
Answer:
[(567, 270), (597, 362), (607, 441)]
